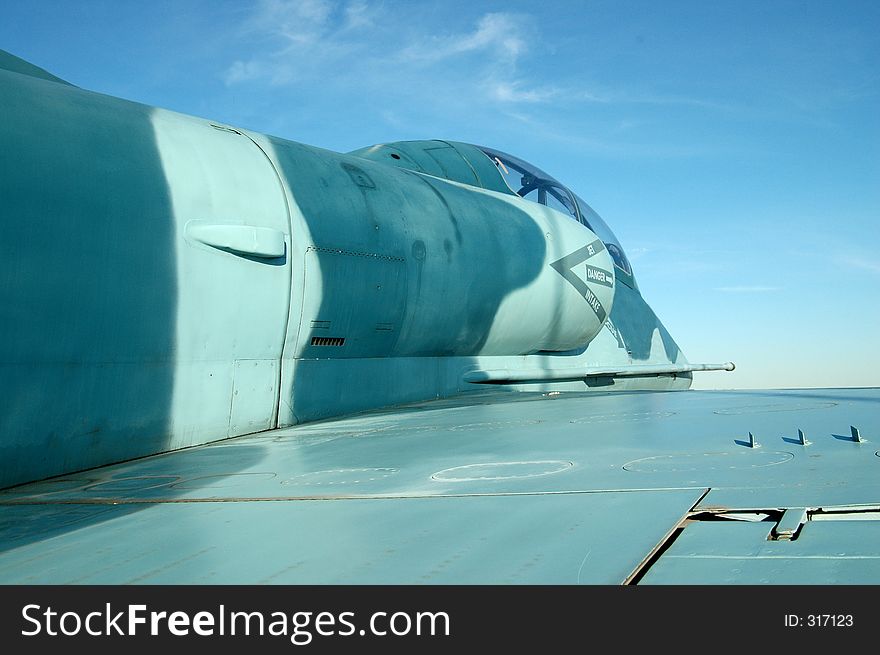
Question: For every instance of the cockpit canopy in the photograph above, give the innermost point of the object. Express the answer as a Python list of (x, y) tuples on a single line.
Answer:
[(530, 182), (497, 171)]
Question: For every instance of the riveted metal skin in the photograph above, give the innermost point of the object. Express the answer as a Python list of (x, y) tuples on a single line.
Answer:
[(168, 281), (227, 357)]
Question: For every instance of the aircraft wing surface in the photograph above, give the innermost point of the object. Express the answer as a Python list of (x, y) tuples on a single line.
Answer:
[(496, 487)]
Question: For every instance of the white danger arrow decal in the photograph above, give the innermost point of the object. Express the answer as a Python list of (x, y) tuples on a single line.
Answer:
[(565, 265)]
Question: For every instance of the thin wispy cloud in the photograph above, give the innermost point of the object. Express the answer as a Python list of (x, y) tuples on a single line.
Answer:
[(242, 71), (515, 91), (637, 253), (303, 41), (748, 289), (299, 40), (297, 21), (861, 263), (500, 34), (426, 69), (358, 15), (296, 41)]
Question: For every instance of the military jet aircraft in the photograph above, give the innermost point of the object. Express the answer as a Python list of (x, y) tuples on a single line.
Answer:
[(229, 357)]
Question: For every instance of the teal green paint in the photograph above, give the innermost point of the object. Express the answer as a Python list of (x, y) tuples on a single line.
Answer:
[(408, 274), (488, 176), (452, 165), (480, 540), (450, 160), (446, 257), (636, 322), (735, 552), (88, 283), (401, 250), (10, 62), (584, 486)]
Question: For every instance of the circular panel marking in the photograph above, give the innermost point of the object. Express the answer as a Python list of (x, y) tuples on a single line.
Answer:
[(624, 417), (494, 425), (47, 487), (223, 481), (135, 483), (341, 476), (706, 462), (502, 470), (778, 407)]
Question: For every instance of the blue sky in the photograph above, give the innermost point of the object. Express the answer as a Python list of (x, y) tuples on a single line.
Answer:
[(733, 147)]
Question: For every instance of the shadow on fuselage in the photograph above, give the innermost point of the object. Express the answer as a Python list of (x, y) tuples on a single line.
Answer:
[(637, 323), (410, 270), (88, 283)]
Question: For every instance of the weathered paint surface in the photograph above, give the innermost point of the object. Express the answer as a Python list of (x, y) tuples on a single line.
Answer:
[(486, 488), (168, 281), (233, 295), (88, 282)]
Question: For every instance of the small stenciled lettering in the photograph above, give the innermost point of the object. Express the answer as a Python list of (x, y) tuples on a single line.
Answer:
[(610, 327), (593, 301), (566, 268), (600, 276), (596, 306)]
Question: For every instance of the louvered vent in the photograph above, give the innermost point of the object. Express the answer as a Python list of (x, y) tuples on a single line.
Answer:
[(328, 341)]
